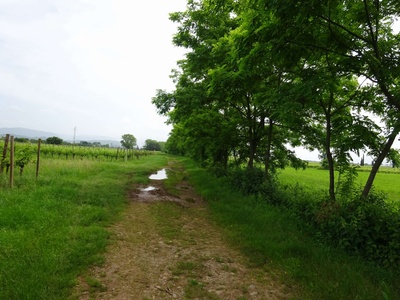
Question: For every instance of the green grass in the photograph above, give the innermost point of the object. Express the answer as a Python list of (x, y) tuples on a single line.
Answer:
[(168, 219), (53, 228), (282, 244), (387, 181)]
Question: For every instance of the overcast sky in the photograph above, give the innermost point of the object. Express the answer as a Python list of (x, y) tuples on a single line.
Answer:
[(89, 64)]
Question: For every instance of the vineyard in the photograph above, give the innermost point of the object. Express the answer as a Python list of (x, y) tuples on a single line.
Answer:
[(19, 155)]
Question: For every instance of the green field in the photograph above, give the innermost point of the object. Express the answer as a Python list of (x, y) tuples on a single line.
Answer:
[(387, 180), (53, 228)]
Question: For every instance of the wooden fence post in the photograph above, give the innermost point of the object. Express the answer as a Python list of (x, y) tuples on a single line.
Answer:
[(38, 158), (4, 153), (11, 162)]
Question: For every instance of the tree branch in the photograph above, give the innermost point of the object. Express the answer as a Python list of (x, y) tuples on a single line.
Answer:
[(345, 29), (371, 30)]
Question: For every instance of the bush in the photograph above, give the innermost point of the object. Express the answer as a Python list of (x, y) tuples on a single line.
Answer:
[(368, 227), (218, 169), (248, 181)]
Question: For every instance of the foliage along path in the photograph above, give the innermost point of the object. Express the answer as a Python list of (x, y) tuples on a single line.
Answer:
[(166, 247)]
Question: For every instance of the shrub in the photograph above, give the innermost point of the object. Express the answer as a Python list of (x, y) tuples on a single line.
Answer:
[(302, 202), (368, 227), (248, 181), (218, 169)]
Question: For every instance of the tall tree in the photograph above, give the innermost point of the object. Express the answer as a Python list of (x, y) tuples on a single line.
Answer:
[(251, 72), (54, 140), (190, 105), (152, 145), (360, 35), (128, 141)]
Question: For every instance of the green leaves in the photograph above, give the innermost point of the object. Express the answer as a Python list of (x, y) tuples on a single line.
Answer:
[(128, 141), (281, 72)]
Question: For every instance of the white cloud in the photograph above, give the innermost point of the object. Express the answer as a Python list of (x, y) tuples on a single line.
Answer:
[(86, 63), (17, 109)]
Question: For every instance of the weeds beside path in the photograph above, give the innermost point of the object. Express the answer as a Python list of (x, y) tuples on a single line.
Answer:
[(167, 247)]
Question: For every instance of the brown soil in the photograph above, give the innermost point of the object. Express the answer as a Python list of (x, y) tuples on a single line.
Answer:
[(187, 258)]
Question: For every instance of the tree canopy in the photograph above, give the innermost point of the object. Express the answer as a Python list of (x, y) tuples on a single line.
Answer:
[(128, 141), (260, 76), (152, 145), (54, 140)]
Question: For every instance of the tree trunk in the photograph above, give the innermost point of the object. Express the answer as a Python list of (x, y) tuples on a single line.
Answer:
[(331, 167), (377, 163), (268, 151), (252, 148), (329, 157), (328, 152)]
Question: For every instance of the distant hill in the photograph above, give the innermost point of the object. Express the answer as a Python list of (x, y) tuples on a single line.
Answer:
[(26, 133), (36, 134)]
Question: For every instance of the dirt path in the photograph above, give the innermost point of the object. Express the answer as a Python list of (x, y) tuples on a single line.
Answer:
[(166, 247)]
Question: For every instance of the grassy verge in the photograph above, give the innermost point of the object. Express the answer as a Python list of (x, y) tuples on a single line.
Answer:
[(53, 228), (274, 239)]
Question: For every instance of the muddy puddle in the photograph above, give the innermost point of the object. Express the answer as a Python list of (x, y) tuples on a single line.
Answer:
[(155, 192), (160, 175), (148, 189)]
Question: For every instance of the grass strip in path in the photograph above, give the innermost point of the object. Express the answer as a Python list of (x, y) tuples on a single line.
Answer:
[(166, 247)]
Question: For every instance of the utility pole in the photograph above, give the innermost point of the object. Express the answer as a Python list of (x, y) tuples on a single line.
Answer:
[(74, 135)]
